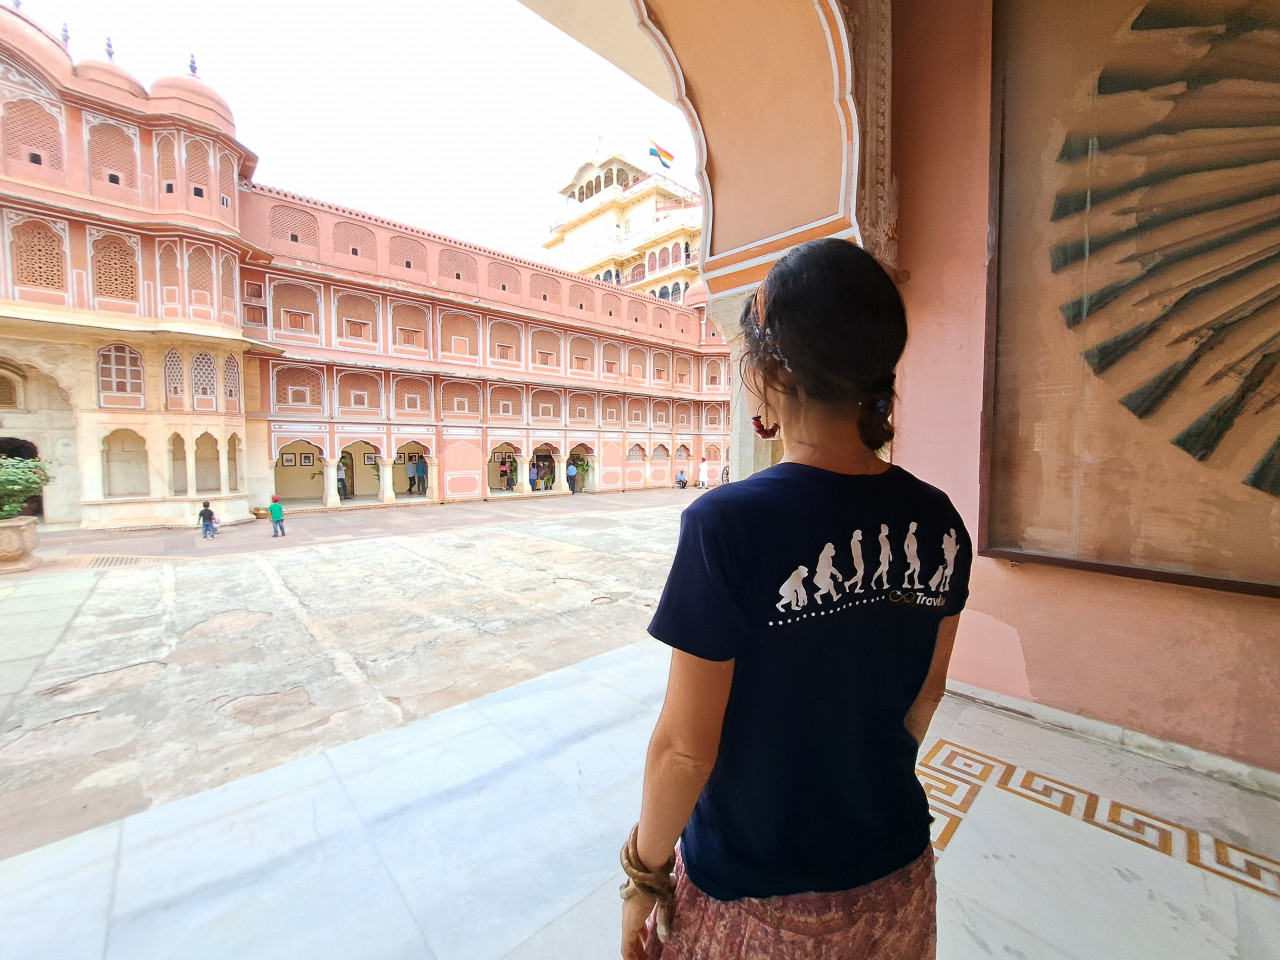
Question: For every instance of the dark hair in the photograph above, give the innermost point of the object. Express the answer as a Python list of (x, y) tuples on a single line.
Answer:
[(828, 325), (206, 503)]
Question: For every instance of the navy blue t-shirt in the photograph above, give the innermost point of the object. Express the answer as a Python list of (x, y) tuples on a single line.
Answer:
[(827, 591)]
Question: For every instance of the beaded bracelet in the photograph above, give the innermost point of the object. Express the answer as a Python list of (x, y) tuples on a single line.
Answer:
[(659, 884)]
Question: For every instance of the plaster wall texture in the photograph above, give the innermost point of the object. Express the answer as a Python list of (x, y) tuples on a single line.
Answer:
[(1191, 665)]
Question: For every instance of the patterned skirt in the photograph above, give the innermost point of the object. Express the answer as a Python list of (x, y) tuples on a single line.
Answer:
[(893, 918)]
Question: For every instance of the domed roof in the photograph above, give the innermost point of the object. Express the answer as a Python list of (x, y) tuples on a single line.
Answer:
[(696, 295), (100, 71), (194, 91)]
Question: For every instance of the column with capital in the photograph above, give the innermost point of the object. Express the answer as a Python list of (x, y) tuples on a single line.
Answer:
[(522, 474), (329, 495), (561, 482), (648, 466), (193, 488), (386, 475), (224, 468)]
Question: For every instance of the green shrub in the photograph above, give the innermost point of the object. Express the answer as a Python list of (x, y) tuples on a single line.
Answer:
[(19, 480)]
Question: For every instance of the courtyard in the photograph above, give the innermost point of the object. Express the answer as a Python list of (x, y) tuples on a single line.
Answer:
[(419, 732)]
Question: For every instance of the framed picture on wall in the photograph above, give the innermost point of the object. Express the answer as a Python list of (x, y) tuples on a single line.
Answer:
[(307, 459), (400, 458), (370, 459), (413, 458), (288, 459), (1133, 400)]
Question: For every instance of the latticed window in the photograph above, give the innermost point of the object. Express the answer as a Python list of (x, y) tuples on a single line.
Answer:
[(227, 175), (544, 288), (637, 312), (713, 416), (503, 278), (662, 412), (546, 348), (31, 129), (637, 273), (664, 258), (298, 385), (635, 411), (682, 452), (582, 406), (583, 352), (636, 363), (166, 159), (231, 378), (408, 319), (661, 318), (353, 240), (360, 390), (292, 224), (407, 254), (676, 294), (119, 369), (636, 453), (623, 177), (461, 398), (115, 269), (713, 373), (660, 454), (200, 275), (111, 152), (653, 262), (582, 298), (458, 334), (504, 341), (197, 164), (175, 387), (228, 280), (413, 394), (611, 407), (364, 313), (169, 276), (456, 264), (608, 177), (611, 305), (712, 452), (204, 376), (8, 393), (506, 402), (291, 301), (38, 259), (545, 404)]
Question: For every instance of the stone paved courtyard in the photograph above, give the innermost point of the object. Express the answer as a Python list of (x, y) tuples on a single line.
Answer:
[(134, 686)]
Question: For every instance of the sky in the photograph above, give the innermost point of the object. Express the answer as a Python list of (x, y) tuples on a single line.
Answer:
[(464, 117)]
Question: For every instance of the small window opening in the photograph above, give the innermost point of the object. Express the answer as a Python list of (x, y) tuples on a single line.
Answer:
[(504, 288), (293, 238), (359, 399), (113, 178), (411, 402), (457, 276), (168, 188), (226, 202), (408, 264), (36, 159), (582, 306), (355, 251), (544, 296), (198, 191)]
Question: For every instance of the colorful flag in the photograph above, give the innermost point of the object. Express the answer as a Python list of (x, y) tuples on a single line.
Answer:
[(664, 157)]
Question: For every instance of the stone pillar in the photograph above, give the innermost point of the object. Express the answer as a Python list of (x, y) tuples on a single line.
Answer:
[(590, 483), (224, 468), (522, 475), (329, 496), (648, 466), (561, 482), (433, 479), (192, 486), (386, 477)]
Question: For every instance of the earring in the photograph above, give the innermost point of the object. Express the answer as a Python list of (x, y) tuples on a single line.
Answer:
[(763, 432)]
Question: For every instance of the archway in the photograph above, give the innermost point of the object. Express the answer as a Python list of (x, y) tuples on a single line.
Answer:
[(208, 470), (299, 474), (233, 463), (588, 478), (15, 448), (177, 465), (545, 457), (124, 465), (361, 461), (503, 481), (660, 466), (407, 458)]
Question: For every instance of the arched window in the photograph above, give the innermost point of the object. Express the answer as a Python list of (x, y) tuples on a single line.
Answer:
[(111, 154), (166, 163), (119, 371), (582, 194), (407, 254), (597, 183), (353, 240), (455, 265), (637, 273), (204, 378), (115, 269), (686, 253), (675, 253), (175, 387), (200, 276), (608, 177), (623, 177), (228, 280), (676, 296), (664, 293), (38, 259), (294, 226), (608, 276), (8, 392), (227, 179), (712, 452), (591, 190), (653, 262), (31, 134), (231, 383), (664, 258)]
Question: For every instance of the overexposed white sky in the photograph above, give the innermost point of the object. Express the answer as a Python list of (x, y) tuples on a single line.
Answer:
[(460, 116)]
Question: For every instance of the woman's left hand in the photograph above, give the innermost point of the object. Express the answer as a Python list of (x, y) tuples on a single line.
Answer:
[(635, 912)]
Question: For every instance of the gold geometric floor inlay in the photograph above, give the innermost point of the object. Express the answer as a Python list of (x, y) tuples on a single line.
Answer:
[(954, 775)]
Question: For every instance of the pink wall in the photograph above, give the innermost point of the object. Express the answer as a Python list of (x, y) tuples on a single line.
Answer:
[(1192, 665)]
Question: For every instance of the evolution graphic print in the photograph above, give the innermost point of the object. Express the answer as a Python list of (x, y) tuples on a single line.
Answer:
[(831, 586)]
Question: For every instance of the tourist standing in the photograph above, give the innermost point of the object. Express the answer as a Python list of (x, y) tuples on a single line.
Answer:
[(533, 474), (207, 520), (276, 512), (503, 472), (784, 755), (571, 471), (342, 479), (409, 473), (420, 471)]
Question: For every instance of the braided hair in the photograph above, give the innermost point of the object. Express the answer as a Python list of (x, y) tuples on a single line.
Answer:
[(827, 325)]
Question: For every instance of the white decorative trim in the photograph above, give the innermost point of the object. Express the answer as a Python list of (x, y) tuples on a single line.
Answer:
[(24, 82), (94, 119), (94, 234)]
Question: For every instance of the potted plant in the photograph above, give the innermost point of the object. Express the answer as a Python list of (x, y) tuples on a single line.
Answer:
[(20, 481)]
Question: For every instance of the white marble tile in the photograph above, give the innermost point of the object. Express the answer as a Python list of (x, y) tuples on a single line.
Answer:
[(55, 901), (14, 674), (470, 861), (1050, 881), (261, 868), (36, 642), (54, 601), (639, 669), (589, 930)]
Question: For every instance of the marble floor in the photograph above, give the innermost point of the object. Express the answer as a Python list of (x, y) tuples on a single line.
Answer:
[(490, 830)]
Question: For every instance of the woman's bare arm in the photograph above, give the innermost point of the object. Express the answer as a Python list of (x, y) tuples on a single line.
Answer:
[(935, 684), (682, 751)]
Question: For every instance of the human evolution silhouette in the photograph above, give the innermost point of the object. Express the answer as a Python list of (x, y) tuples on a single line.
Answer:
[(828, 581)]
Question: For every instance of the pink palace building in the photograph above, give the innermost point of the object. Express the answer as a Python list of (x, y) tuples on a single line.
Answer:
[(172, 332)]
